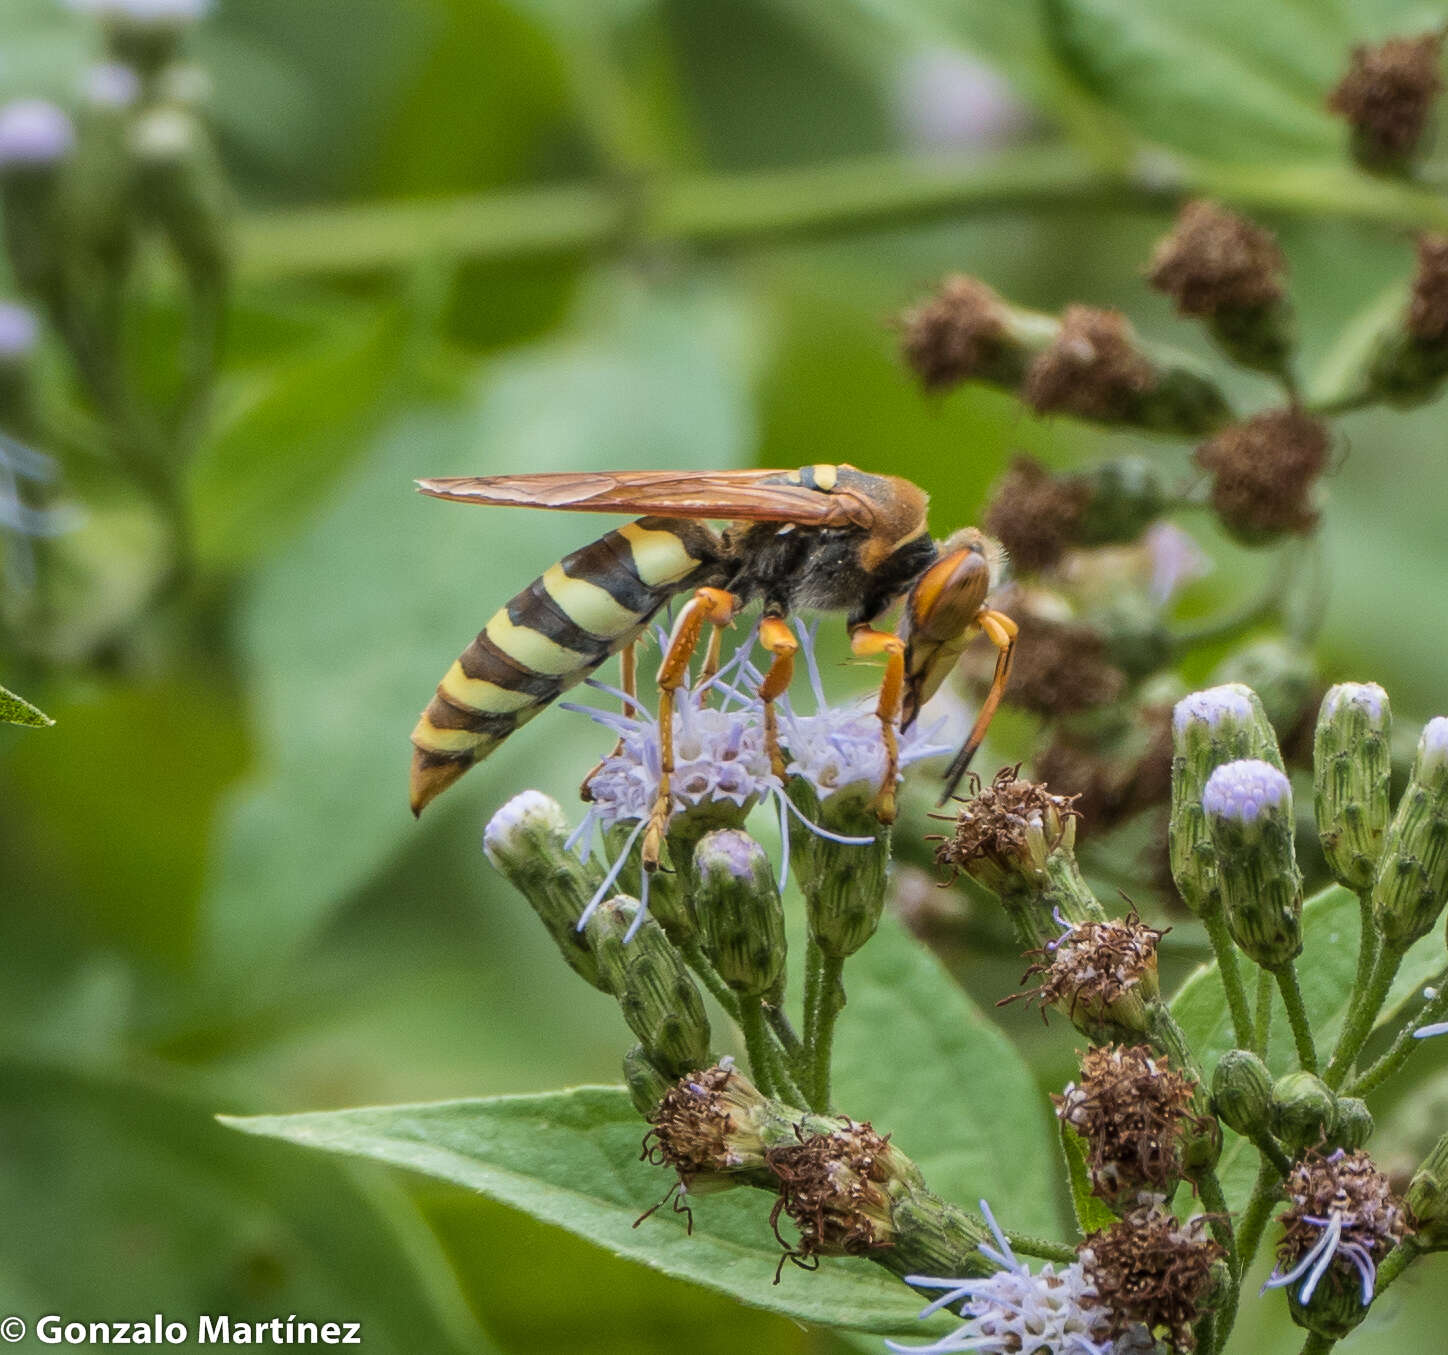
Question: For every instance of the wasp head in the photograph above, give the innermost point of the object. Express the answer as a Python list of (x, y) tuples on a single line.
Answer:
[(940, 614)]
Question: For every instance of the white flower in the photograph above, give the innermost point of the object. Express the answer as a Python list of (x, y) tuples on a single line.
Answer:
[(1015, 1312), (1176, 560), (1230, 702), (1432, 749), (1366, 696)]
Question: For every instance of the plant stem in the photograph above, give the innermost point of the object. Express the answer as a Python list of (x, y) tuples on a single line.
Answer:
[(1042, 1248), (1255, 1215), (720, 991), (1263, 1036), (766, 1061), (1210, 1190), (1318, 1344), (1363, 1013), (1286, 976), (1432, 1011), (1395, 1263), (1231, 975), (1367, 947), (828, 993)]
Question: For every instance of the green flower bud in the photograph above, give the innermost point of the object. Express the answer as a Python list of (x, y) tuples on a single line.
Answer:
[(843, 885), (1209, 728), (37, 140), (1351, 769), (646, 1085), (524, 841), (1137, 640), (1304, 1112), (180, 185), (1248, 806), (1242, 1092), (148, 41), (1427, 1199), (1412, 880), (1280, 674), (741, 920), (1354, 1125), (1126, 495), (654, 990)]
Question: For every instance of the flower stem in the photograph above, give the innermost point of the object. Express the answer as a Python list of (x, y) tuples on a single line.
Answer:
[(1362, 1014), (1395, 1263), (1219, 1219), (1291, 990), (1231, 975), (695, 958), (1041, 1247), (766, 1061), (1263, 1035), (1367, 947), (1432, 1011), (1255, 1215), (1318, 1344), (828, 998)]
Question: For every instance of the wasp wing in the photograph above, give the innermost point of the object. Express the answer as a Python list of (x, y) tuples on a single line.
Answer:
[(745, 495)]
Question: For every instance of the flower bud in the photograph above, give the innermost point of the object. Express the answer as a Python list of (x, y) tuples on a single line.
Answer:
[(1209, 728), (1248, 807), (1263, 472), (1354, 1126), (1228, 271), (1125, 495), (1017, 839), (1408, 357), (181, 186), (843, 883), (1387, 97), (1304, 1113), (110, 87), (1427, 1199), (741, 920), (646, 1085), (35, 137), (654, 990), (1351, 770), (147, 34), (524, 841), (1035, 515), (1412, 880), (1095, 368), (1242, 1092)]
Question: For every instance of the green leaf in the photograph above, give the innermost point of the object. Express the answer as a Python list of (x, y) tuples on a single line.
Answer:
[(1259, 74), (346, 633), (916, 1057), (1091, 1213), (114, 1189), (572, 1158), (1326, 968), (16, 710)]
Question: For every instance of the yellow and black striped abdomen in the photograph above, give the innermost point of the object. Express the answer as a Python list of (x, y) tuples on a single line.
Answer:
[(550, 637)]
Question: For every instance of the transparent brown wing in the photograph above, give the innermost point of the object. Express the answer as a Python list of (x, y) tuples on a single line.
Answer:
[(745, 495)]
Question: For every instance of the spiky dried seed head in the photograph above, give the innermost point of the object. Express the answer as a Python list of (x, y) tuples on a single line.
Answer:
[(1098, 971), (1387, 96), (1007, 828), (1215, 260), (1132, 1108), (707, 1124), (1150, 1268), (1263, 470), (1034, 514), (1092, 368), (945, 339)]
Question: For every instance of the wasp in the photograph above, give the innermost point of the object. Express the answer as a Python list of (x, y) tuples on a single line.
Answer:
[(827, 537)]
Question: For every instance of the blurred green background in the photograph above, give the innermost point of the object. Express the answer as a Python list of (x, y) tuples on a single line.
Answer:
[(485, 235)]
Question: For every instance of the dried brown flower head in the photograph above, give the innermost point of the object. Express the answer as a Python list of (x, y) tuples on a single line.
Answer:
[(1006, 829), (1428, 309), (1387, 96), (1092, 368), (835, 1187), (707, 1125), (946, 339), (1342, 1218), (1061, 667), (1150, 1268), (1098, 972), (1114, 785), (1132, 1109), (1216, 260), (1263, 470), (1034, 514)]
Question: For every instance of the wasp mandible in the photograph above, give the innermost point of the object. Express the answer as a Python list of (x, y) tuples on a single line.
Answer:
[(829, 538)]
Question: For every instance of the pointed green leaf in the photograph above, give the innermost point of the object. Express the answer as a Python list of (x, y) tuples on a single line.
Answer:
[(1091, 1213), (16, 710)]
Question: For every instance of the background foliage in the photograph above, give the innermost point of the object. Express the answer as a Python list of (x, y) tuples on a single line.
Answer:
[(486, 235)]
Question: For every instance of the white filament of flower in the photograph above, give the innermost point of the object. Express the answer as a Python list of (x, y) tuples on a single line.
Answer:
[(1319, 1258)]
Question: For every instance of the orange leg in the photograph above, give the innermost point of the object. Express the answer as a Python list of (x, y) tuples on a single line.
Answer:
[(781, 643), (711, 657), (866, 641), (708, 606), (628, 672), (1002, 632)]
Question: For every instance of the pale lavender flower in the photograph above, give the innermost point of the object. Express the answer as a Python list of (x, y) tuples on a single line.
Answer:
[(34, 132), (1015, 1312), (111, 85), (19, 331), (1231, 702), (949, 101), (1366, 696), (1244, 790), (1432, 749), (1176, 560), (20, 522), (1427, 1032), (145, 11)]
